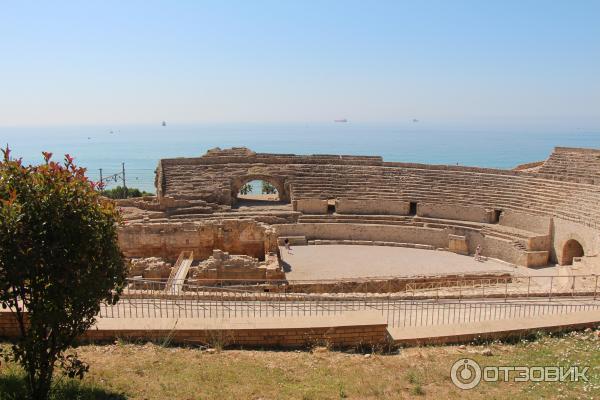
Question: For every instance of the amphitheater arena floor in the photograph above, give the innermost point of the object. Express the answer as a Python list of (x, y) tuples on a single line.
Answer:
[(352, 261)]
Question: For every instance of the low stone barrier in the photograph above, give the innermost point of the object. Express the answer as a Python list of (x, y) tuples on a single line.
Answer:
[(351, 329)]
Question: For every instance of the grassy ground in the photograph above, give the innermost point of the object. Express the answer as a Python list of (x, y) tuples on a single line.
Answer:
[(148, 371)]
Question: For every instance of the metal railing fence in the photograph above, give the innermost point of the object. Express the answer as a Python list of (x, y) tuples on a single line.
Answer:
[(397, 312), (517, 297), (504, 286)]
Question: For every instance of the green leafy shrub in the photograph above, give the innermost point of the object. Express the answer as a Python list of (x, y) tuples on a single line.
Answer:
[(124, 193), (59, 260)]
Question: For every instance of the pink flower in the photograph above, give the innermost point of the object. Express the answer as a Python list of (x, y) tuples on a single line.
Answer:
[(47, 155), (68, 159)]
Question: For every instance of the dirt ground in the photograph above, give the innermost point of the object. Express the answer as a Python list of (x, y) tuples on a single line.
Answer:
[(352, 261)]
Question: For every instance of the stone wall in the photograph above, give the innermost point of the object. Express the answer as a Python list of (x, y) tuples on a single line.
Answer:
[(310, 206), (494, 247), (305, 337), (385, 233), (337, 331), (563, 231), (169, 239), (453, 211), (376, 206), (527, 222)]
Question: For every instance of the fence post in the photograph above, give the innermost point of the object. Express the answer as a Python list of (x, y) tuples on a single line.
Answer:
[(528, 285), (551, 284), (596, 287)]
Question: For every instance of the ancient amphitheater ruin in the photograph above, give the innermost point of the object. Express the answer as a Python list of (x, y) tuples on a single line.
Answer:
[(381, 251), (532, 216)]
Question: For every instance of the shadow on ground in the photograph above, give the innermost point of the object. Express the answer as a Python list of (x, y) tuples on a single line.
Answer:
[(12, 387), (241, 203)]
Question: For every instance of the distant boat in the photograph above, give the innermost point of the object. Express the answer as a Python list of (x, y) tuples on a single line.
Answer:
[(340, 120), (415, 120), (164, 123)]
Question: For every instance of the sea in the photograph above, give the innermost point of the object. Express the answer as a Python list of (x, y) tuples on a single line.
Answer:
[(139, 147)]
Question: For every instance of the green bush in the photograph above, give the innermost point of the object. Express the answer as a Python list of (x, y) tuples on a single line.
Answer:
[(267, 188), (124, 193), (246, 189), (59, 259)]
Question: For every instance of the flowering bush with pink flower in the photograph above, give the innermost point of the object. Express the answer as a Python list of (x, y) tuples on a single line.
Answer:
[(59, 260)]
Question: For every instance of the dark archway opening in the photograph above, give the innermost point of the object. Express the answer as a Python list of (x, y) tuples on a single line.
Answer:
[(412, 208), (571, 249), (331, 206), (496, 216)]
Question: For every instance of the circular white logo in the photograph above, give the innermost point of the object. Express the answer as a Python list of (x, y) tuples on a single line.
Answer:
[(465, 373)]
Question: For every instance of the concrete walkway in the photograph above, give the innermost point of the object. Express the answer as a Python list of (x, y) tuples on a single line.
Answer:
[(355, 326), (459, 333)]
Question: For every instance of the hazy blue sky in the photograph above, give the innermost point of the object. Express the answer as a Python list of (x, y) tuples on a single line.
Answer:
[(104, 62)]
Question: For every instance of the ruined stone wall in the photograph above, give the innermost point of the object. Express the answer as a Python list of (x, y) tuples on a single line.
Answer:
[(150, 268), (221, 266), (169, 239)]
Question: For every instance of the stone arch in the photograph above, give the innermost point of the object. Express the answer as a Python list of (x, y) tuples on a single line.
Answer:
[(571, 249), (278, 182)]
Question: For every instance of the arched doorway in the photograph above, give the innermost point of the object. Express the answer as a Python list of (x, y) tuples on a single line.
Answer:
[(571, 249), (257, 190)]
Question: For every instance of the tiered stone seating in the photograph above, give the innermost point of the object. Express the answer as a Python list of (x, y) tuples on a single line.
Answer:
[(188, 182), (572, 164), (360, 219), (271, 217), (364, 178), (566, 200), (517, 237)]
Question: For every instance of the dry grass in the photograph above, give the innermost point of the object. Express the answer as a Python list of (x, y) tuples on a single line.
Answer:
[(150, 371)]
